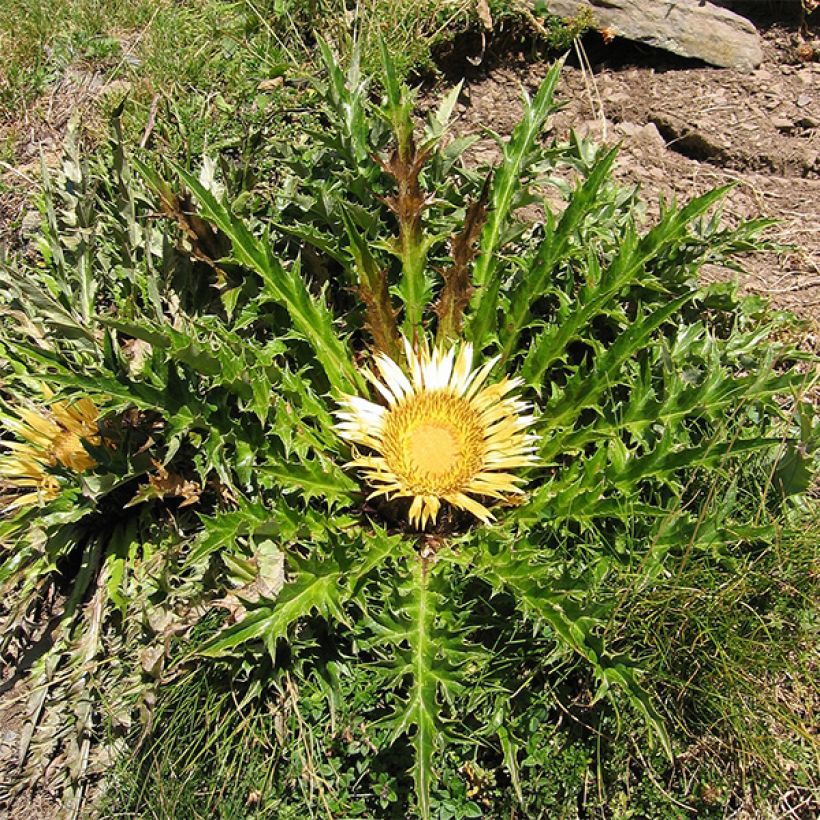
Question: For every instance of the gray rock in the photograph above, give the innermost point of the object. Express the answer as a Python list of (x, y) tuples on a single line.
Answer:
[(629, 129), (691, 28), (652, 136), (783, 124)]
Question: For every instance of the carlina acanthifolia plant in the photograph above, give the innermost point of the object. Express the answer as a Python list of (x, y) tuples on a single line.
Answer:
[(398, 417)]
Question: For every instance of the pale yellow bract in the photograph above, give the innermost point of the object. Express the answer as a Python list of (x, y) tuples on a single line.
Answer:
[(49, 437), (441, 435)]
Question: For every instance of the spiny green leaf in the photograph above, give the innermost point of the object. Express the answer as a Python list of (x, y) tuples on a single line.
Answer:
[(584, 390), (427, 652), (313, 479), (221, 531), (665, 461), (399, 103), (322, 585), (507, 182), (310, 319), (553, 249), (558, 602), (627, 267)]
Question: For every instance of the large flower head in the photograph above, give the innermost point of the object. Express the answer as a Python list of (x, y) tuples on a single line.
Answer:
[(441, 434), (48, 437)]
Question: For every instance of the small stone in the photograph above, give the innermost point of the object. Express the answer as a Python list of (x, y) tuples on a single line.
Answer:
[(782, 123), (651, 134), (617, 97), (803, 100), (762, 74), (271, 84), (629, 129)]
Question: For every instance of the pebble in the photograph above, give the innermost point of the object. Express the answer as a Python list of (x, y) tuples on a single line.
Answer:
[(782, 123), (31, 222), (651, 134), (629, 129), (803, 100), (617, 97)]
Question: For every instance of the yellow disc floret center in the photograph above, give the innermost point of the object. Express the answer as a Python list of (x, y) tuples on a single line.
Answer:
[(433, 448), (434, 442)]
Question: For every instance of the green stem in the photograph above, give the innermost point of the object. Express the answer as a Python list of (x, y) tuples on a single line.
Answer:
[(414, 259)]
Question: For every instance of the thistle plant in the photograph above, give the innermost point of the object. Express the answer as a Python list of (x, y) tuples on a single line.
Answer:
[(369, 421)]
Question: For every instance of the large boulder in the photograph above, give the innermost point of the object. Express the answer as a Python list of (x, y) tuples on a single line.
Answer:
[(691, 28)]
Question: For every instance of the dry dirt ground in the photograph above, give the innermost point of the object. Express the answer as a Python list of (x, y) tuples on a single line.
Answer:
[(685, 128)]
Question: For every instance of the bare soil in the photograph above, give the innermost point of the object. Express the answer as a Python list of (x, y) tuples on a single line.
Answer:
[(685, 128)]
